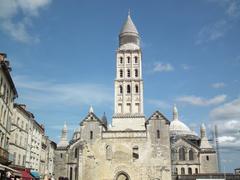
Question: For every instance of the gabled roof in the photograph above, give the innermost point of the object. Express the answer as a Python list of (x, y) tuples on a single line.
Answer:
[(187, 141), (157, 116), (92, 117)]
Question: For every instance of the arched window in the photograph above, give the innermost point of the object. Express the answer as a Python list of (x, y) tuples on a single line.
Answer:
[(182, 170), (128, 73), (189, 170), (108, 152), (128, 89), (121, 73), (71, 172), (120, 89), (136, 59), (207, 158), (128, 59), (182, 154), (135, 153), (91, 135), (158, 134), (196, 170), (176, 171), (136, 72), (121, 60), (191, 158), (76, 152), (136, 88)]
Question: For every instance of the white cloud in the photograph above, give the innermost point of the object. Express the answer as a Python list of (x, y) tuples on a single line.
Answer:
[(18, 29), (212, 32), (218, 85), (199, 101), (42, 93), (227, 119), (186, 67), (218, 29), (161, 67)]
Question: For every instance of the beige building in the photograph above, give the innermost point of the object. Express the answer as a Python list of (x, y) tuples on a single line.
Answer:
[(19, 135), (7, 95), (191, 154), (132, 147)]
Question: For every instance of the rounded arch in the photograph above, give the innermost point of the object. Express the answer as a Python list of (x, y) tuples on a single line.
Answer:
[(181, 152), (122, 176)]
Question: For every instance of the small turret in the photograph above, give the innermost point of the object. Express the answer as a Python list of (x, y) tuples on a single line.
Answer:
[(64, 141), (204, 140), (175, 112)]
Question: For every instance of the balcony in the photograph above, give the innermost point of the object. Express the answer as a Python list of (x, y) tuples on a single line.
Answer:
[(4, 154)]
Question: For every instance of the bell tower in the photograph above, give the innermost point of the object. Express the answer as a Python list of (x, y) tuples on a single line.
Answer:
[(128, 105)]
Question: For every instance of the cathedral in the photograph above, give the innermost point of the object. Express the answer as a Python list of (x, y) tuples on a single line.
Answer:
[(132, 146)]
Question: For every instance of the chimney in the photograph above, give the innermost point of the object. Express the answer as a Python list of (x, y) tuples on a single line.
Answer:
[(2, 56)]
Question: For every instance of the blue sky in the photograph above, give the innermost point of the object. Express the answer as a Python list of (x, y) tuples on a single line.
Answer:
[(63, 59)]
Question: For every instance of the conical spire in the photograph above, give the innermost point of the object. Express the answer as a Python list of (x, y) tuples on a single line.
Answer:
[(203, 130), (175, 113), (129, 26), (63, 141), (204, 140), (129, 33)]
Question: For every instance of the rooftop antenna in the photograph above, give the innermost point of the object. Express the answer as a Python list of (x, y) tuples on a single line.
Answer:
[(217, 146)]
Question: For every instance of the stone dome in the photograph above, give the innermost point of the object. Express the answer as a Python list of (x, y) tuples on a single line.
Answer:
[(177, 127)]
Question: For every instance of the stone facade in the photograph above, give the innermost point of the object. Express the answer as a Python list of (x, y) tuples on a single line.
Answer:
[(8, 93), (131, 147)]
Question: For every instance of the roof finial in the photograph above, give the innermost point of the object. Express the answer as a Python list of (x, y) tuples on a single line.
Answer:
[(90, 109), (129, 12), (175, 112)]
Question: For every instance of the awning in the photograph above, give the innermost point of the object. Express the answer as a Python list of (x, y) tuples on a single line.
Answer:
[(35, 174), (14, 172), (26, 175)]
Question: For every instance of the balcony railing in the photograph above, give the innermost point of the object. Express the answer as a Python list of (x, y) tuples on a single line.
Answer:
[(4, 154)]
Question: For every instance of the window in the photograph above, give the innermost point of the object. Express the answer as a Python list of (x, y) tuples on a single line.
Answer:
[(128, 59), (120, 89), (61, 155), (14, 157), (128, 89), (207, 158), (121, 60), (108, 152), (176, 171), (19, 159), (76, 152), (135, 153), (182, 154), (189, 170), (23, 160), (128, 73), (136, 88), (196, 170), (121, 73), (71, 173), (91, 135), (182, 170), (158, 134), (136, 59), (191, 155), (136, 73)]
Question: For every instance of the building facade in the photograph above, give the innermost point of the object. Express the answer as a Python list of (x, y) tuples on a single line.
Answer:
[(19, 135)]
